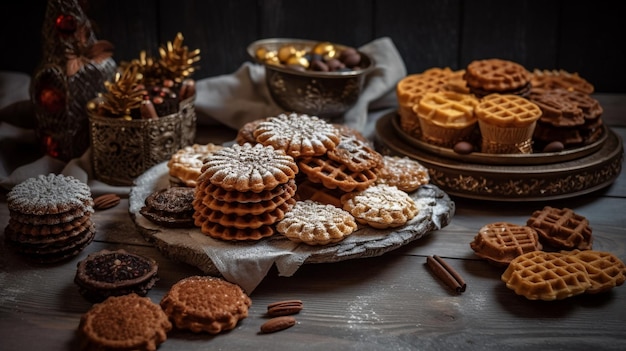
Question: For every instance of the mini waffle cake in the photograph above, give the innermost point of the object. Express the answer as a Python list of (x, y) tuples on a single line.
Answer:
[(411, 89), (243, 191), (50, 218)]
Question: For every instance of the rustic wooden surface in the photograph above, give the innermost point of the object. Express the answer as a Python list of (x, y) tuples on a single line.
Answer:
[(578, 36), (391, 302)]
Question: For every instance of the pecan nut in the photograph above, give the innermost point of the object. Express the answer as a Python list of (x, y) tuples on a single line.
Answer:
[(284, 308), (277, 324), (105, 201)]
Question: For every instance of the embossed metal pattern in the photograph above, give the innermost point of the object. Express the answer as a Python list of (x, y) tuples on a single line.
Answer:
[(121, 150), (530, 182), (322, 94)]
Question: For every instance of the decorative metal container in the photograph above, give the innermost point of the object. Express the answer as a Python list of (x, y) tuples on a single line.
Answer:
[(123, 149), (322, 94)]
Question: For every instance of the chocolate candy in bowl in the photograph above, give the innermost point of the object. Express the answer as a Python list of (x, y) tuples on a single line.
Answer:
[(317, 78)]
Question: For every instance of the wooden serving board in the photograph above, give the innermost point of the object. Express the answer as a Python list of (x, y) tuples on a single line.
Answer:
[(217, 257)]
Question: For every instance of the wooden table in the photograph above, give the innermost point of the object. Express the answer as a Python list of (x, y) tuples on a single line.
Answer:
[(390, 302)]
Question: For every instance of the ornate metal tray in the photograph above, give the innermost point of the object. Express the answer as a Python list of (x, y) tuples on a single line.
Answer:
[(543, 176), (244, 261)]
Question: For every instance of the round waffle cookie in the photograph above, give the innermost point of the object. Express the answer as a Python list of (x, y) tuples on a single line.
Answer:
[(186, 164), (500, 242), (215, 192), (245, 134), (605, 270), (50, 218), (356, 154), (128, 322), (248, 168), (507, 123), (497, 76), (314, 223), (240, 219), (299, 135), (170, 207), (404, 173), (560, 79), (205, 304), (114, 273), (562, 228), (548, 276), (380, 206), (333, 174)]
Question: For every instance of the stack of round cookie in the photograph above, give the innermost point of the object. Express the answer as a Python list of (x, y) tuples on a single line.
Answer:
[(50, 218), (243, 191)]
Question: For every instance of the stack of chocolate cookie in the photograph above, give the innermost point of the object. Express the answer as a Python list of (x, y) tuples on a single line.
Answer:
[(170, 207), (50, 218)]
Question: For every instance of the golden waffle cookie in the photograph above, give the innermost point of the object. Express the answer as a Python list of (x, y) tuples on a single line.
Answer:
[(218, 193), (314, 223), (218, 231), (500, 242), (248, 168), (245, 134), (380, 206), (548, 276), (446, 117), (357, 155), (496, 75), (333, 174), (507, 123), (605, 270), (560, 79), (186, 163), (128, 322), (561, 228), (206, 304), (246, 220), (402, 172), (410, 90), (299, 135), (249, 207)]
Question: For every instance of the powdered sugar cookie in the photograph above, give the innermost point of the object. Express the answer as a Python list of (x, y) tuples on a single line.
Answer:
[(380, 206)]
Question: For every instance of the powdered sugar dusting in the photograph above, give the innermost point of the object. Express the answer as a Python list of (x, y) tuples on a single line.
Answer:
[(50, 194)]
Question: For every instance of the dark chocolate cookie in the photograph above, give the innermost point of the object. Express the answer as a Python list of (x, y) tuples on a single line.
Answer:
[(115, 273), (170, 207)]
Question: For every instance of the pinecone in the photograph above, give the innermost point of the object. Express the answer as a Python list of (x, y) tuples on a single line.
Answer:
[(125, 94), (177, 61)]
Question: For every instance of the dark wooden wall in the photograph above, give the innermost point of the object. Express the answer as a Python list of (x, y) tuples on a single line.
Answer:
[(588, 37)]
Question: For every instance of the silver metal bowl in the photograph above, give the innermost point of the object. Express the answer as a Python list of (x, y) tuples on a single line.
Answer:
[(323, 94)]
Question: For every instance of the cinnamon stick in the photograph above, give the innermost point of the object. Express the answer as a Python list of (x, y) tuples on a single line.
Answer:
[(446, 273)]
